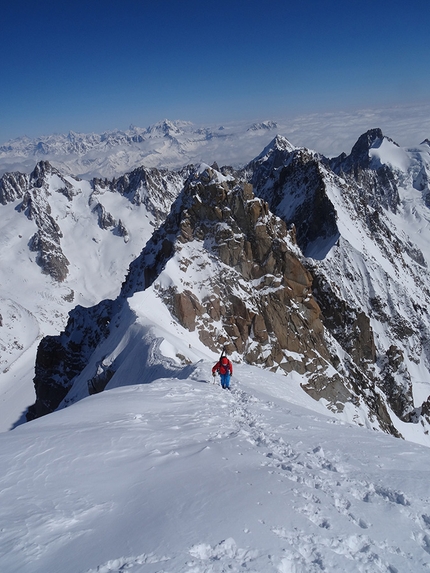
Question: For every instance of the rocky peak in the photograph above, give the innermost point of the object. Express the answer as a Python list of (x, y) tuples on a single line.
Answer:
[(46, 242), (296, 192), (165, 127), (378, 182), (155, 189), (264, 125), (259, 290), (40, 172), (360, 151), (276, 152)]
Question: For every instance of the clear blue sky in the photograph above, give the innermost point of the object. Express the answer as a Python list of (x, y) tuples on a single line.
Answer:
[(94, 66)]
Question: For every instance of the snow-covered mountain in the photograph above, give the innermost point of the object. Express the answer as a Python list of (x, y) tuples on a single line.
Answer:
[(167, 144), (362, 221), (311, 272), (352, 320), (340, 297), (66, 242)]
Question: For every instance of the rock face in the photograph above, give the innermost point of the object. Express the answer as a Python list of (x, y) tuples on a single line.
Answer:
[(46, 242), (61, 358), (293, 182), (377, 181), (261, 293), (12, 186), (153, 188)]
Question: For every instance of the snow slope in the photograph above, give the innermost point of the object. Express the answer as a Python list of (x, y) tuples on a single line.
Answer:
[(178, 475)]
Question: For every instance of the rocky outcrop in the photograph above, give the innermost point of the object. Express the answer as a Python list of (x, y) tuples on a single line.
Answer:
[(293, 182), (396, 384), (155, 189), (261, 293), (61, 358), (12, 187), (349, 326), (105, 219), (376, 182), (46, 242)]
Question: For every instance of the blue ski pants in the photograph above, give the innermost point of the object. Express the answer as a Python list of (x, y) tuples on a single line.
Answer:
[(225, 380)]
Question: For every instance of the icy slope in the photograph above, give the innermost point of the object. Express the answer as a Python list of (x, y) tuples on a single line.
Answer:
[(181, 476)]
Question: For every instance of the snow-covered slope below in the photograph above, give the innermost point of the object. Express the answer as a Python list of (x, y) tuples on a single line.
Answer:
[(179, 475)]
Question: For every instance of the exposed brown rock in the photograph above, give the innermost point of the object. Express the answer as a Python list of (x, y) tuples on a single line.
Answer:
[(186, 307), (276, 322)]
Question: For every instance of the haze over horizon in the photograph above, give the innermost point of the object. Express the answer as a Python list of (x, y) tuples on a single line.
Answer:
[(94, 67)]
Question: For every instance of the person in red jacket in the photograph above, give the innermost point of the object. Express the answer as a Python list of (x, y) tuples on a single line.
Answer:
[(225, 369)]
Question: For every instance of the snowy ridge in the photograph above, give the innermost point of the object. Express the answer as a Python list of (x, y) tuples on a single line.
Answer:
[(179, 475)]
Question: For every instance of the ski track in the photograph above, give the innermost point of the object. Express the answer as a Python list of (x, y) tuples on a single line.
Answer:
[(321, 490)]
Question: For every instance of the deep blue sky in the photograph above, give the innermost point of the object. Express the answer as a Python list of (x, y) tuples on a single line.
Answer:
[(94, 66)]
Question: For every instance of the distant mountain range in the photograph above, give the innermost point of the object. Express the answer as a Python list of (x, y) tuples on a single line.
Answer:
[(167, 144)]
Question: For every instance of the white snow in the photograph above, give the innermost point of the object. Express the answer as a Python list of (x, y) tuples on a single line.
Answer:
[(386, 152), (178, 475)]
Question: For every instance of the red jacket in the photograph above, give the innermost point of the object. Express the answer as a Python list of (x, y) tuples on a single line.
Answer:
[(223, 366)]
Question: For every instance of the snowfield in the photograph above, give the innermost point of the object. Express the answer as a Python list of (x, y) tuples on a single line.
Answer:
[(174, 474), (181, 476)]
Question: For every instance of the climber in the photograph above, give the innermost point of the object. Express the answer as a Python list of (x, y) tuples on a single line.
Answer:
[(225, 369)]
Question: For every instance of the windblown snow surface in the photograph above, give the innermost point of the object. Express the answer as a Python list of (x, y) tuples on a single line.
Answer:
[(167, 472)]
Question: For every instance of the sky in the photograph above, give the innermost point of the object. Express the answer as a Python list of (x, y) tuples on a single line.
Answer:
[(95, 66)]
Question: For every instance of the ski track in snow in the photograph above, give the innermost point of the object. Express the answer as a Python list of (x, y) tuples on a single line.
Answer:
[(333, 505)]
